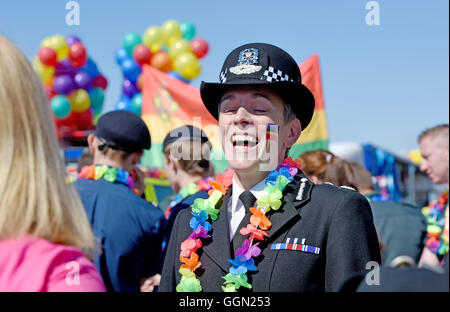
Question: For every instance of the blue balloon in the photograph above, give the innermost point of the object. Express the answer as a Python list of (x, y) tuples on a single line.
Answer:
[(123, 104), (131, 70), (121, 55), (90, 67)]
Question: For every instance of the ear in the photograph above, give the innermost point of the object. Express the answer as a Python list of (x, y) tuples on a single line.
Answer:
[(174, 164), (136, 158), (91, 143), (295, 129)]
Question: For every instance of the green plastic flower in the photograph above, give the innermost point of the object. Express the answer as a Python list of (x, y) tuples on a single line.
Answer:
[(189, 284), (229, 288), (270, 201), (237, 279), (110, 174), (100, 171), (190, 189)]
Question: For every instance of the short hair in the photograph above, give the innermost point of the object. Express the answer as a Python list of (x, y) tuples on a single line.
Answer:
[(362, 178), (197, 162), (439, 131)]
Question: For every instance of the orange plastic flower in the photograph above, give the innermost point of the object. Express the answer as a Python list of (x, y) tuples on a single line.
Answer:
[(259, 219), (254, 232), (190, 263), (217, 186)]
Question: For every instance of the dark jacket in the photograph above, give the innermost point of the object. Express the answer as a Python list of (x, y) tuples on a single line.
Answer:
[(336, 220), (402, 229), (129, 229)]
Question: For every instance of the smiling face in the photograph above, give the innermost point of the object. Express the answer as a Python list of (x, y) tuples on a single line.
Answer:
[(244, 116)]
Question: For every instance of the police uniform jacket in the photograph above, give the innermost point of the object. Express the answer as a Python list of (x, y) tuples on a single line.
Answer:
[(337, 221)]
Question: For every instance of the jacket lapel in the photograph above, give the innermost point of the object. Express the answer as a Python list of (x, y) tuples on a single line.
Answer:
[(295, 195), (219, 248)]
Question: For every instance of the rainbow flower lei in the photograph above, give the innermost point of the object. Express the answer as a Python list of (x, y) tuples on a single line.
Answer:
[(437, 240), (188, 190), (110, 174), (205, 210)]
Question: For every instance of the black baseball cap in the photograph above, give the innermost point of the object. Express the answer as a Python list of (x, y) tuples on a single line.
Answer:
[(263, 65), (123, 130), (185, 133)]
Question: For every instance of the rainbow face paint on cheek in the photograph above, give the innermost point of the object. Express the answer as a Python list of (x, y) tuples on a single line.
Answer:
[(272, 132)]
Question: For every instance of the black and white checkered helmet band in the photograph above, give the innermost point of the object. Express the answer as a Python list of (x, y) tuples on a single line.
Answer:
[(223, 76), (273, 74)]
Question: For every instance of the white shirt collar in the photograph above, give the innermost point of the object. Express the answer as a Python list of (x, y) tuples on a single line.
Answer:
[(257, 191)]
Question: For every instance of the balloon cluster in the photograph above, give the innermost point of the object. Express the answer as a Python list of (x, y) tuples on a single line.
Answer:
[(170, 48), (72, 82)]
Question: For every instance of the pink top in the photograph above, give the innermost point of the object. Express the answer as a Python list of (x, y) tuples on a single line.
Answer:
[(34, 264)]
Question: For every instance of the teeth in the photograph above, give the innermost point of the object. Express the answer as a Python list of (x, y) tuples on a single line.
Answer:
[(240, 137), (243, 139)]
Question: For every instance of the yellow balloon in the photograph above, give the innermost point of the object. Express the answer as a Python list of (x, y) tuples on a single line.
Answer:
[(171, 29), (178, 47), (183, 60), (59, 44), (44, 72), (80, 100), (152, 36), (192, 71)]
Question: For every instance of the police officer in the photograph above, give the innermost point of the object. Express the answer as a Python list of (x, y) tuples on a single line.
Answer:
[(130, 230), (261, 233)]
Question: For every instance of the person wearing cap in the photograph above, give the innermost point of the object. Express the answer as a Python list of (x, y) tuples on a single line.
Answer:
[(129, 229), (186, 153), (267, 226)]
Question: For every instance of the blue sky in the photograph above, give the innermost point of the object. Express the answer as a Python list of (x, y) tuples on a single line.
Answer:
[(382, 84)]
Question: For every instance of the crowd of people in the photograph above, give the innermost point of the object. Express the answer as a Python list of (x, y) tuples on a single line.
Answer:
[(308, 224)]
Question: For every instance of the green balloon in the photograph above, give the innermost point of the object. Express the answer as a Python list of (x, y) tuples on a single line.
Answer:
[(136, 104), (188, 30), (130, 41), (60, 106), (97, 97)]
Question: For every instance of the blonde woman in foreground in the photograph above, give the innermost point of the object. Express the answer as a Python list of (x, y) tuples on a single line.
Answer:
[(46, 241)]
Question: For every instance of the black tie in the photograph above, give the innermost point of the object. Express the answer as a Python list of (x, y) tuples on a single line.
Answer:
[(248, 199)]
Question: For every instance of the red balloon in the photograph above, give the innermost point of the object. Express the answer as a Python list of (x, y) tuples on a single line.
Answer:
[(47, 56), (199, 47), (77, 52), (79, 62), (68, 123), (100, 82), (142, 54)]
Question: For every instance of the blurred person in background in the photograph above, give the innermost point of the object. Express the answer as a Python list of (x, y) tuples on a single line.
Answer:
[(322, 166), (130, 229), (46, 241), (186, 163), (434, 148), (401, 226)]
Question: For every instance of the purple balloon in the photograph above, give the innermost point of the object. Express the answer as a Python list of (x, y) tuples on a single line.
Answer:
[(129, 88), (72, 39), (83, 80), (64, 67), (63, 84)]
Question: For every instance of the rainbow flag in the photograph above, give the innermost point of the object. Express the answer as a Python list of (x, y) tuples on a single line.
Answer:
[(315, 136), (169, 103)]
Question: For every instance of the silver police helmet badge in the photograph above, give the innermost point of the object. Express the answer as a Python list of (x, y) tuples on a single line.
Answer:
[(247, 62)]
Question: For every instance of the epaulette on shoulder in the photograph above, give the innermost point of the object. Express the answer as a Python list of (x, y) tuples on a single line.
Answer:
[(348, 188)]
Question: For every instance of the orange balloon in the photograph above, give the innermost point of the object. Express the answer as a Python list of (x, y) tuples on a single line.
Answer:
[(162, 61)]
